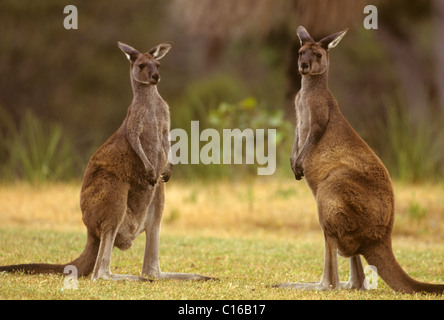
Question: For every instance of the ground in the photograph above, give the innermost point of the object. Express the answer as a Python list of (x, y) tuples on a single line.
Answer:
[(250, 235)]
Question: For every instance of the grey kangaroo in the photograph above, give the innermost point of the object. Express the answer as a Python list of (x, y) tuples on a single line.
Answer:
[(123, 191), (350, 184)]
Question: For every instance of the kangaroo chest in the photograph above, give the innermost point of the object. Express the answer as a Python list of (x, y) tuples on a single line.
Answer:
[(302, 121), (151, 121), (150, 136), (154, 138)]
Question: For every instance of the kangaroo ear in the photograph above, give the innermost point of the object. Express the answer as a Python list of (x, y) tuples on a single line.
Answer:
[(129, 51), (159, 51), (303, 35), (332, 40)]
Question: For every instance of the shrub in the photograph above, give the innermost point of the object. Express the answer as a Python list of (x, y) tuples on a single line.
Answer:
[(413, 144), (34, 151)]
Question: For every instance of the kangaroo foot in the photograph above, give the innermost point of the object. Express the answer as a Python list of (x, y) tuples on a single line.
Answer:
[(183, 276), (304, 286), (351, 285), (319, 286), (119, 277)]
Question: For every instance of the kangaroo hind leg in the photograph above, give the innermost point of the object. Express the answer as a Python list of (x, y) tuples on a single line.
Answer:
[(151, 266), (330, 277), (108, 213), (357, 276)]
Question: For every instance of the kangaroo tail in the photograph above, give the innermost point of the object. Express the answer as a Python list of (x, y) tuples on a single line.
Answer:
[(34, 268), (381, 256), (84, 263)]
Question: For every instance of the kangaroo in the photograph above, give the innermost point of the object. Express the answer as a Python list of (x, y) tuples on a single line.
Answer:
[(350, 184), (123, 190)]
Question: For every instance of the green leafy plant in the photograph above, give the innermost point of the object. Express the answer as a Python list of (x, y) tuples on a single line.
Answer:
[(36, 152), (249, 113), (413, 144)]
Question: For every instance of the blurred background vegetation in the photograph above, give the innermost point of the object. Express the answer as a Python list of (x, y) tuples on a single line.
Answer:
[(63, 92)]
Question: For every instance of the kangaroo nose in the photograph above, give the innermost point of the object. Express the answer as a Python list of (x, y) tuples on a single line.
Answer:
[(155, 77), (304, 65)]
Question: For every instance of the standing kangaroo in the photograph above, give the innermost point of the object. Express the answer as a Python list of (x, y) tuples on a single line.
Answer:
[(350, 184), (123, 190)]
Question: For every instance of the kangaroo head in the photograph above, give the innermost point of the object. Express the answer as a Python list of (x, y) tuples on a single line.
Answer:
[(313, 56), (145, 66)]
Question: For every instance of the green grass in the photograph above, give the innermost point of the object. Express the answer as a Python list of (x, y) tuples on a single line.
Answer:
[(246, 267), (268, 234)]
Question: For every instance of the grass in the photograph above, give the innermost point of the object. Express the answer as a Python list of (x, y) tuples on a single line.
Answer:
[(251, 235)]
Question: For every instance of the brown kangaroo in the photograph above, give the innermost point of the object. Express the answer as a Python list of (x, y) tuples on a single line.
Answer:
[(123, 190), (350, 184)]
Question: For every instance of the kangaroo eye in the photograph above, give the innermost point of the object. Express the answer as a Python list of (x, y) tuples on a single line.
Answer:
[(300, 53), (141, 66), (319, 55)]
